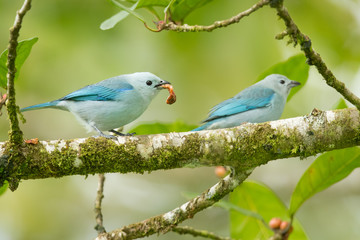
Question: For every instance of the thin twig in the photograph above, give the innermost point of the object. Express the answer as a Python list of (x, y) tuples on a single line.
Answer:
[(99, 196), (165, 222), (218, 24), (15, 132), (313, 58), (198, 233)]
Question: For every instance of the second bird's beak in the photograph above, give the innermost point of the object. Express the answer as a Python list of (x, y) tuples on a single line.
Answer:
[(161, 84), (293, 84)]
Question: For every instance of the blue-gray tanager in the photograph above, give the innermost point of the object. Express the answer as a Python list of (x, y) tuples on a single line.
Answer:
[(264, 101), (111, 103)]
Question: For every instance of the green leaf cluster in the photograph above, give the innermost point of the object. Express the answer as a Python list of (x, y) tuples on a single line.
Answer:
[(259, 200), (252, 200)]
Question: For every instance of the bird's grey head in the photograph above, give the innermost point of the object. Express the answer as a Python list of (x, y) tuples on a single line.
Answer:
[(146, 83), (279, 83)]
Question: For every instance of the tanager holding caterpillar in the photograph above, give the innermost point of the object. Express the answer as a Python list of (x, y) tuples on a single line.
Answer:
[(111, 103)]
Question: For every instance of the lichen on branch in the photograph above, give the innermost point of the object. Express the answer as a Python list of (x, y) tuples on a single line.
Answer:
[(244, 147)]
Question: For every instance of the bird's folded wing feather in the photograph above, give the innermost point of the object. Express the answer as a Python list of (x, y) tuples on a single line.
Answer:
[(97, 93), (245, 101)]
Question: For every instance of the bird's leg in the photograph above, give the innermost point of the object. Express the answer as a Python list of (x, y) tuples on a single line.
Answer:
[(101, 134), (121, 134)]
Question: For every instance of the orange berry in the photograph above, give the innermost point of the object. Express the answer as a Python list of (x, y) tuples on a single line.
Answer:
[(275, 223), (284, 225), (220, 171)]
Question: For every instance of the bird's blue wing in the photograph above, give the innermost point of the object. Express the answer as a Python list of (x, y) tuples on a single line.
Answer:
[(241, 103), (97, 93)]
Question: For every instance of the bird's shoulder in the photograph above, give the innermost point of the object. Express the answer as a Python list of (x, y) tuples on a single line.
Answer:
[(102, 91), (118, 83), (255, 91)]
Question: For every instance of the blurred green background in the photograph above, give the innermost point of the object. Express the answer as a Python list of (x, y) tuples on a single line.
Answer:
[(204, 68)]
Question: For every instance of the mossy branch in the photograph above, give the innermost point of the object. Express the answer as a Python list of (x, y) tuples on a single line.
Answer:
[(244, 147), (15, 135)]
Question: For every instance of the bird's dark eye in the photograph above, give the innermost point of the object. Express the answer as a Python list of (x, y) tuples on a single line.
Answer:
[(282, 81), (148, 82)]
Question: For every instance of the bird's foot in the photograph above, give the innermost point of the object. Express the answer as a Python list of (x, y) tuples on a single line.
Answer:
[(121, 134), (101, 134), (105, 136)]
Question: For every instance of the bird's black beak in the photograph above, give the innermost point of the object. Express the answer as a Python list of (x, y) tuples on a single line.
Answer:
[(162, 83), (293, 84)]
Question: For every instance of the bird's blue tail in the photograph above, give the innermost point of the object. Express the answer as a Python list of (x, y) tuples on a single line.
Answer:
[(203, 127), (41, 105), (197, 129)]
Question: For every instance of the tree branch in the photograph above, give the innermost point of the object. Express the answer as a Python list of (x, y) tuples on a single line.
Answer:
[(98, 213), (15, 132), (165, 222), (313, 58), (218, 24), (244, 147)]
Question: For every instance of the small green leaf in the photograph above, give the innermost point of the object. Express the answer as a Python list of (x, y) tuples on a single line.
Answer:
[(326, 170), (182, 8), (258, 199), (154, 128), (295, 68), (4, 187), (111, 22), (129, 10), (22, 50), (168, 6), (341, 104)]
